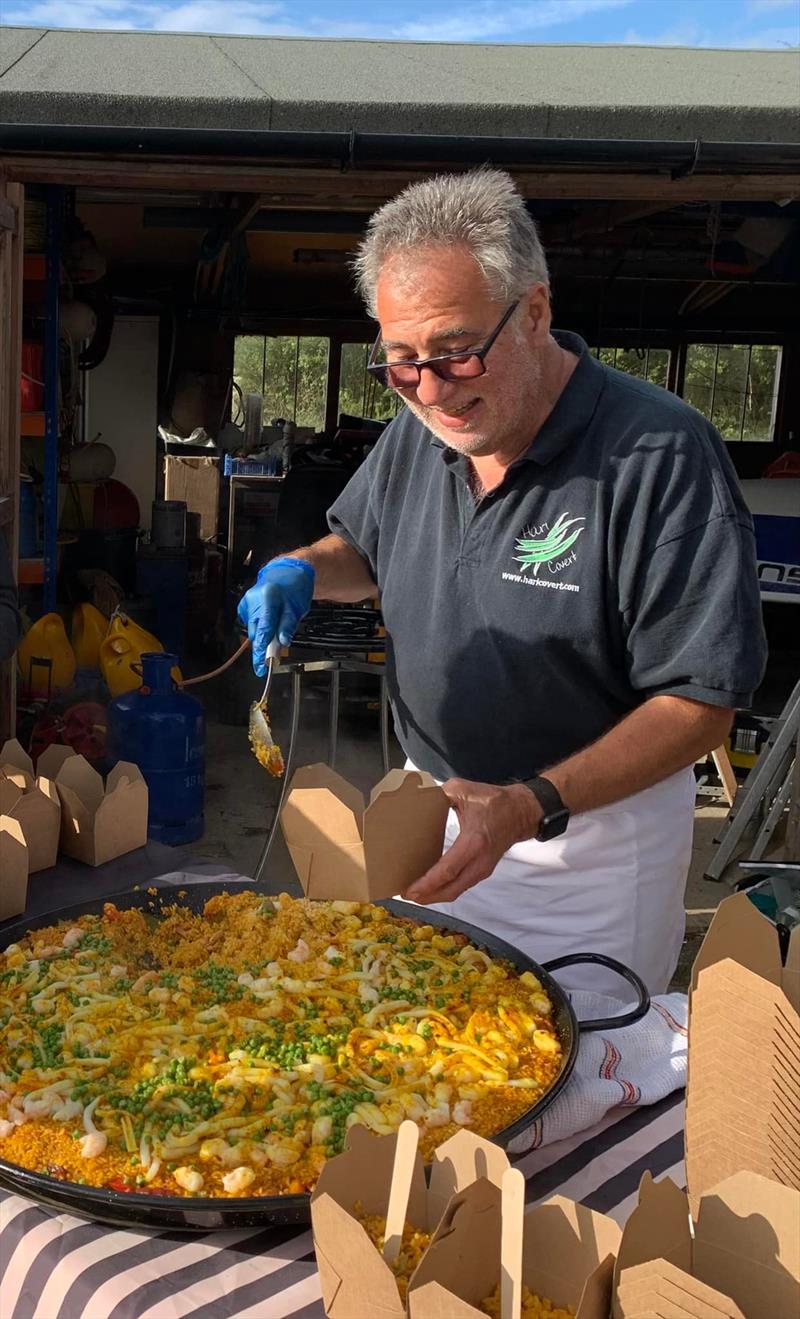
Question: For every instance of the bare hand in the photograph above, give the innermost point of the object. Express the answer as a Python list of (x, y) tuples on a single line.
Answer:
[(491, 820)]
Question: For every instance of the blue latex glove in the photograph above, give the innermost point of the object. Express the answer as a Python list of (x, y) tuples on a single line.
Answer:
[(273, 607)]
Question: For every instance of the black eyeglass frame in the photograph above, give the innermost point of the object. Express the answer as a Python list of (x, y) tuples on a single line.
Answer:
[(381, 370)]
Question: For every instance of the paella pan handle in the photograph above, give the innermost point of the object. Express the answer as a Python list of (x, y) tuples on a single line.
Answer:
[(599, 959)]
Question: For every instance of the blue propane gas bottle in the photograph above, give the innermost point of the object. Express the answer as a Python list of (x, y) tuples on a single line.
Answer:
[(163, 731)]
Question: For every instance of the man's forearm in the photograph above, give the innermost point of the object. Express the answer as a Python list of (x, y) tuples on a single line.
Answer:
[(341, 573), (664, 735)]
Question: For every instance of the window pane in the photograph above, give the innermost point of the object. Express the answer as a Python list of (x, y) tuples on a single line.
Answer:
[(644, 363), (761, 388), (730, 387), (279, 377), (359, 394), (632, 361), (353, 379), (312, 379), (658, 366), (734, 387), (248, 366), (698, 382)]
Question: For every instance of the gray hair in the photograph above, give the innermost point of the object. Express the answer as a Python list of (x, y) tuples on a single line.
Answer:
[(482, 210)]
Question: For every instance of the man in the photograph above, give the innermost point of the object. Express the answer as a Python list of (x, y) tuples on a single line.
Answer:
[(567, 575)]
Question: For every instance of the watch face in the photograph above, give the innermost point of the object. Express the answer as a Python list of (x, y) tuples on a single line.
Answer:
[(552, 826)]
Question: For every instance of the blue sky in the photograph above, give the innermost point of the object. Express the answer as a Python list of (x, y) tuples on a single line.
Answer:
[(733, 23)]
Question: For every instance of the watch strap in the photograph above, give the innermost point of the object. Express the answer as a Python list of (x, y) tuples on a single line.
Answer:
[(547, 795)]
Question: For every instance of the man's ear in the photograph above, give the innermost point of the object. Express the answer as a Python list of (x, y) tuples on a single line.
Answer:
[(537, 313)]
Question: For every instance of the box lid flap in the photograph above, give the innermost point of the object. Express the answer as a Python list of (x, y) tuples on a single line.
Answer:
[(464, 1253), (353, 1275), (321, 809), (10, 794), (13, 753), (363, 1172), (403, 833), (564, 1244), (791, 970), (78, 775), (754, 1219), (658, 1227), (458, 1162), (123, 770), (739, 931), (51, 760)]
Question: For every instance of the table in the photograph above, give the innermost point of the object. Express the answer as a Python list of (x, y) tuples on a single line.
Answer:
[(55, 1266)]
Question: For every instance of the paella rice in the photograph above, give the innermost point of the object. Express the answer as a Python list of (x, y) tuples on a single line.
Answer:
[(226, 1053)]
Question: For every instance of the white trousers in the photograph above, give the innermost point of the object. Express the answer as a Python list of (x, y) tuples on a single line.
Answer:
[(613, 883)]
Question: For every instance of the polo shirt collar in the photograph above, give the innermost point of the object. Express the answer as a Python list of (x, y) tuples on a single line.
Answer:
[(570, 417)]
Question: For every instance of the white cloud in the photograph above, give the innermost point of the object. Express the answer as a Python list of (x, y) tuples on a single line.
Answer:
[(483, 22), (770, 38), (682, 34), (757, 7), (235, 18)]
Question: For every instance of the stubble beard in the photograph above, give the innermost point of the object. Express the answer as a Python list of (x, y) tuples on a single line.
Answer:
[(509, 430)]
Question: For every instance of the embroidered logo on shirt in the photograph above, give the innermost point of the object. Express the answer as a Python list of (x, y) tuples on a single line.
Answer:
[(550, 546)]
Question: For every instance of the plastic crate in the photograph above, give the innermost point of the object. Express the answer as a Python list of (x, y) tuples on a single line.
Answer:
[(244, 467)]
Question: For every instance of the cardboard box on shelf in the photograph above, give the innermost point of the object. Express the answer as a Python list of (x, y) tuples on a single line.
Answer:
[(738, 1259), (342, 849), (33, 801), (98, 822), (354, 1276), (568, 1255), (195, 481), (13, 868), (743, 1091)]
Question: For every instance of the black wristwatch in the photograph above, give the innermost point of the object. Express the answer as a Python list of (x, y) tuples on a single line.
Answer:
[(556, 814)]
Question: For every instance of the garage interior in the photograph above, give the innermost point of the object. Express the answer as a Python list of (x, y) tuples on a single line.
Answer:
[(171, 274)]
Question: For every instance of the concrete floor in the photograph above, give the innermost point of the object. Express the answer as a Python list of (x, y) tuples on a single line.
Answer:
[(241, 798)]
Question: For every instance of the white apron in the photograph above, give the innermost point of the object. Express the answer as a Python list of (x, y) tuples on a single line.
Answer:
[(613, 883)]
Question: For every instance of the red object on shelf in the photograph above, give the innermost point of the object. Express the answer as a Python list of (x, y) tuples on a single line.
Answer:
[(115, 507), (32, 382)]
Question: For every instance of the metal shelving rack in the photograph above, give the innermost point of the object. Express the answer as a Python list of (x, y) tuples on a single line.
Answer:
[(44, 570), (55, 209)]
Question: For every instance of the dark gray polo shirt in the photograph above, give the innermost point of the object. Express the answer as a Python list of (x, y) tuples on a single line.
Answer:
[(616, 561)]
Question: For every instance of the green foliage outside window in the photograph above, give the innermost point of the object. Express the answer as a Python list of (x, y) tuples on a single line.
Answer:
[(291, 372), (734, 386), (645, 363)]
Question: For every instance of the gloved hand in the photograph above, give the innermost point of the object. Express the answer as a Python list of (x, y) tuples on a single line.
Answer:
[(273, 607)]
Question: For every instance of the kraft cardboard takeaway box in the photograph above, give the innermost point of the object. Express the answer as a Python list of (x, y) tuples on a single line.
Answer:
[(738, 1258), (33, 801), (342, 849), (355, 1279), (568, 1251), (568, 1254), (13, 868), (743, 1090), (98, 822)]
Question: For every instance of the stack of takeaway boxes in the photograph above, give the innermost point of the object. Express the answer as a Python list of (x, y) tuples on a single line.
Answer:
[(727, 1249), (64, 807)]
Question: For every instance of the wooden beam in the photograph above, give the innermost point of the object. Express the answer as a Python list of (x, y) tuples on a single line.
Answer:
[(328, 185), (11, 249)]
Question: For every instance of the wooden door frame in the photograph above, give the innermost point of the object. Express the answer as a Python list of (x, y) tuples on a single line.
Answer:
[(12, 213)]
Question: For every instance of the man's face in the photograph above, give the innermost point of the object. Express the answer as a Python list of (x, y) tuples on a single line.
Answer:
[(435, 301)]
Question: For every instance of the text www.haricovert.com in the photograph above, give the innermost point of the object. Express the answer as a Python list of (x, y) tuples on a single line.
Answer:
[(539, 581)]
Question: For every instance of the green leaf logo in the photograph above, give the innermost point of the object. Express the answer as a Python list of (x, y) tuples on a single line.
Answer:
[(533, 553)]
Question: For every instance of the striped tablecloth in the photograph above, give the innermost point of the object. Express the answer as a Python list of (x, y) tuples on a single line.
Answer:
[(55, 1266)]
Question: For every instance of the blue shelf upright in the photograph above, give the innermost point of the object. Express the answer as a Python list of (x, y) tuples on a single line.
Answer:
[(55, 211)]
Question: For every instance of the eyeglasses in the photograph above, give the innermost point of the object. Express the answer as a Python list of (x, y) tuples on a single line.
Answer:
[(464, 365)]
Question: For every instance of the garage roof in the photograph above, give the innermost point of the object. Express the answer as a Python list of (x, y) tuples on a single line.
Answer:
[(147, 79)]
